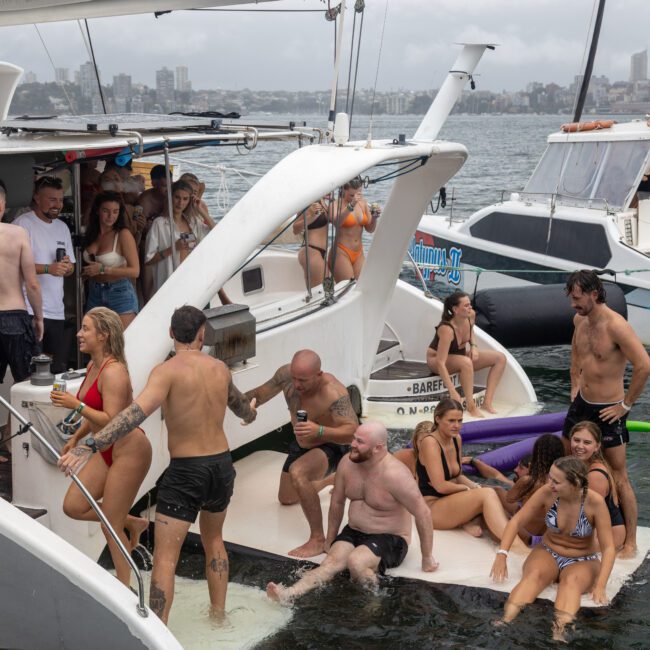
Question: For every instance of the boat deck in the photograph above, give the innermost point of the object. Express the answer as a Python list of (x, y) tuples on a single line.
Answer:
[(256, 520)]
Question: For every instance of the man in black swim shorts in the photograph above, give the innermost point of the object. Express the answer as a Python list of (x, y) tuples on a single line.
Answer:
[(320, 441), (603, 344), (194, 390), (383, 496)]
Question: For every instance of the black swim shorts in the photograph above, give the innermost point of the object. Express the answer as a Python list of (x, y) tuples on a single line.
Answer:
[(333, 452), (196, 483), (614, 433), (391, 549), (17, 343)]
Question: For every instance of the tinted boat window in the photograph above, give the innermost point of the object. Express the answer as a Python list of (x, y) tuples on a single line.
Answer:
[(547, 174), (584, 243), (581, 169), (621, 172)]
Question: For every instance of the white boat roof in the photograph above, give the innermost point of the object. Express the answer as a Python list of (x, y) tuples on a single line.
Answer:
[(632, 130), (23, 12), (257, 520), (94, 132)]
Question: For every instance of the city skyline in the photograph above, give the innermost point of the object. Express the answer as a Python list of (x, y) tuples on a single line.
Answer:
[(294, 51)]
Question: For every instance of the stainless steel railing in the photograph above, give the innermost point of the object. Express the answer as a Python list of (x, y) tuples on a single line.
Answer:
[(140, 607)]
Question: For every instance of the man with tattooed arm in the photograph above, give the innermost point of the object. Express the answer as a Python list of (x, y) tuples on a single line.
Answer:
[(320, 441), (193, 389)]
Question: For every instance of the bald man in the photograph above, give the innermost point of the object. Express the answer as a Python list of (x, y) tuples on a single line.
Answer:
[(383, 496), (319, 443)]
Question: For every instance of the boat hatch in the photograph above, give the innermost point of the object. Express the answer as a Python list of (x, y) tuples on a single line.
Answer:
[(530, 233), (590, 174)]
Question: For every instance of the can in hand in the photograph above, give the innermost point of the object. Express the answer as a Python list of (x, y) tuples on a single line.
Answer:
[(60, 254), (60, 386), (301, 416)]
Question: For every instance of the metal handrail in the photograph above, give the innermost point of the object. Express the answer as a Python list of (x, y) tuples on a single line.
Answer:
[(416, 268), (140, 607)]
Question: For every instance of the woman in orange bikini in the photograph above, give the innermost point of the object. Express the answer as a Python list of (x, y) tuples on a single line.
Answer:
[(115, 474), (453, 349), (352, 215)]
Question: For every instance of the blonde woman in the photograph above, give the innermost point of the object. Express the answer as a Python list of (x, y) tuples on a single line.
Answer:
[(115, 474)]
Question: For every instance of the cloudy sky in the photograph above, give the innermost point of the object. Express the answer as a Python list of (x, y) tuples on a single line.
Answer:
[(539, 40)]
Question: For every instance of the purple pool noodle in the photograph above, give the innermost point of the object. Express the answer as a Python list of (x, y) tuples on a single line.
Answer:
[(526, 424), (506, 458)]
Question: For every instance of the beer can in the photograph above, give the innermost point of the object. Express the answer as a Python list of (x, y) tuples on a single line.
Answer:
[(60, 385), (60, 254), (301, 416)]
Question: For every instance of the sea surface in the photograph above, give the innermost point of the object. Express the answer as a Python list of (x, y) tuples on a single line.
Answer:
[(504, 150)]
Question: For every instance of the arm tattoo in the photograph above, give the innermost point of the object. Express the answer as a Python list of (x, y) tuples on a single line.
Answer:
[(239, 404), (342, 408), (219, 565), (120, 425), (157, 599)]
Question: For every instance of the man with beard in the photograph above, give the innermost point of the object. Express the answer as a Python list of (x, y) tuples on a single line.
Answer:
[(382, 493), (54, 259), (321, 440), (603, 343)]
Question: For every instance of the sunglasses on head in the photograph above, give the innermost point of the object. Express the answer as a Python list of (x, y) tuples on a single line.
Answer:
[(48, 181)]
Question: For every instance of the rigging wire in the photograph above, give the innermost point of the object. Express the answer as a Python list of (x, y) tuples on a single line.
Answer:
[(347, 90), (584, 53), (374, 90), (356, 67), (49, 56), (92, 52)]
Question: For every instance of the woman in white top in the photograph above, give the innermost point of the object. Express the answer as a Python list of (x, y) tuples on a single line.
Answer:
[(111, 258), (188, 232)]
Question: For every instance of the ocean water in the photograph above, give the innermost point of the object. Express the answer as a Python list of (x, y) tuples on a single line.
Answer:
[(407, 614)]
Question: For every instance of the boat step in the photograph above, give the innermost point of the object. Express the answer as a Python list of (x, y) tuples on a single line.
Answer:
[(426, 397), (388, 352), (34, 513), (407, 379)]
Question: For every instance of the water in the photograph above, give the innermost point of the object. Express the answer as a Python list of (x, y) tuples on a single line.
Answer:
[(407, 614)]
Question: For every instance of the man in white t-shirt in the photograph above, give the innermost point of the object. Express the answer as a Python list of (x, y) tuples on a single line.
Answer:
[(54, 260)]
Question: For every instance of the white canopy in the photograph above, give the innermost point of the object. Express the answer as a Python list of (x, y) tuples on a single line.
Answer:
[(23, 12)]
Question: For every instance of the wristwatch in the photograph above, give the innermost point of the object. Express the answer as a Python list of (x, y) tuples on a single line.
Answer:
[(91, 443)]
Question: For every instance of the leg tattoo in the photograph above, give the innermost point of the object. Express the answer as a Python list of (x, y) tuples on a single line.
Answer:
[(157, 599), (219, 565)]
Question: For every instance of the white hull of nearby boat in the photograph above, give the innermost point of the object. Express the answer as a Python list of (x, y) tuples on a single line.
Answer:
[(56, 597), (459, 256)]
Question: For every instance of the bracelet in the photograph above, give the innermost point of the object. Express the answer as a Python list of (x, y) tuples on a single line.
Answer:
[(80, 408), (473, 345), (47, 269), (321, 431), (502, 551), (625, 406)]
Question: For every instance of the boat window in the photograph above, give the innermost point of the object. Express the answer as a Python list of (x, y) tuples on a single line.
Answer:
[(546, 176), (252, 280), (530, 233), (621, 172), (581, 169)]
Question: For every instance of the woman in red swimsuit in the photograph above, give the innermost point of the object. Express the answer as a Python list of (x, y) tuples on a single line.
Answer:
[(114, 475), (352, 215), (454, 350)]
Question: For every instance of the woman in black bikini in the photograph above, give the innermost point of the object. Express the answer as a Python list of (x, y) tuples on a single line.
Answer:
[(454, 500), (318, 216), (586, 444), (573, 514), (454, 350)]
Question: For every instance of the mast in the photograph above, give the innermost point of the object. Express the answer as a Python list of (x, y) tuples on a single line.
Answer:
[(590, 62)]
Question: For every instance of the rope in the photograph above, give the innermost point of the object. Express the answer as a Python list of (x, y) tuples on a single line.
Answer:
[(356, 67), (347, 90), (65, 92), (478, 270)]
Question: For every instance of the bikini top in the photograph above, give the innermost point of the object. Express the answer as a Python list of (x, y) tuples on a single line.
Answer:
[(423, 476), (320, 221), (583, 527), (351, 220), (112, 258), (454, 348), (93, 398)]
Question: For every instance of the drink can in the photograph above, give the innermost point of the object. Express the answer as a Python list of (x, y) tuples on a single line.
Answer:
[(374, 209), (60, 385), (60, 254), (301, 416)]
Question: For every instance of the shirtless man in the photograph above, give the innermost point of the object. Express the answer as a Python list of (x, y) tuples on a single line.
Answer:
[(320, 442), (603, 344), (382, 493), (194, 390), (18, 334)]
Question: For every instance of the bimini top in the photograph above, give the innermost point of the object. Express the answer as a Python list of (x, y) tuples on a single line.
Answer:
[(135, 134)]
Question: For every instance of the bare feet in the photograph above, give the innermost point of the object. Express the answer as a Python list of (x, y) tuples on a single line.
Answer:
[(489, 408), (474, 411), (627, 552), (473, 528), (277, 593), (218, 615), (135, 527), (313, 546)]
